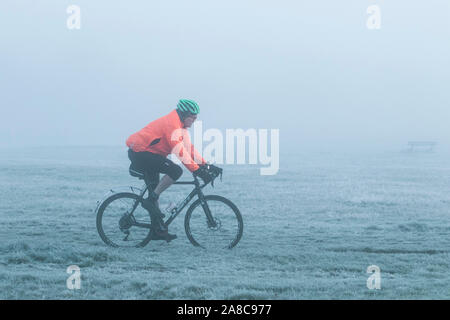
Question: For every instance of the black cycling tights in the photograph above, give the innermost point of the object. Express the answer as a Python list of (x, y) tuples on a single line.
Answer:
[(154, 164)]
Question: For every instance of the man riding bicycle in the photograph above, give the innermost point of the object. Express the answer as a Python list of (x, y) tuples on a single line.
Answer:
[(148, 151)]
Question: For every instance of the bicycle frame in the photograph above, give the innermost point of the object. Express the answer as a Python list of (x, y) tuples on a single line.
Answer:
[(181, 205)]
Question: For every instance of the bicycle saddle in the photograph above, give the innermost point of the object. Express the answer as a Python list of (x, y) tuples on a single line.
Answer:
[(135, 172)]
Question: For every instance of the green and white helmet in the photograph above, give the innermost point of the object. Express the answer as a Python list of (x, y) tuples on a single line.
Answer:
[(188, 106)]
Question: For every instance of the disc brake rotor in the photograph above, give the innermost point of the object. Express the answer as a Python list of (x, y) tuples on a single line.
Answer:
[(217, 226)]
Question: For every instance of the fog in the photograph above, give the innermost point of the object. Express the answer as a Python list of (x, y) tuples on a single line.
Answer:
[(311, 69)]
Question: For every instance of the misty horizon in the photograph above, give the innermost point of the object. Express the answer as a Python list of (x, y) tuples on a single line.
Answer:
[(312, 70)]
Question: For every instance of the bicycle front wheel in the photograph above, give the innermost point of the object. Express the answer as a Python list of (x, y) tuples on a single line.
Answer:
[(225, 232)]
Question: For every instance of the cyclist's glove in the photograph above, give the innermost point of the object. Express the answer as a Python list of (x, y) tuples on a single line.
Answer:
[(203, 173), (215, 171)]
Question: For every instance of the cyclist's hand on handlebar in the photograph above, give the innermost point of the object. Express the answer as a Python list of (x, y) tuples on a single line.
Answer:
[(208, 172), (203, 173), (214, 170)]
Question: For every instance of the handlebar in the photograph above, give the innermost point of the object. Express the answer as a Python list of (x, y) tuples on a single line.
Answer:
[(213, 174)]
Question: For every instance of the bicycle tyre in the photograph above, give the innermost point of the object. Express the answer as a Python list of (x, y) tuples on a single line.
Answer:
[(101, 211), (210, 198)]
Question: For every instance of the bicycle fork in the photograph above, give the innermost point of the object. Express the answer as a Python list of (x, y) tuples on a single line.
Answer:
[(209, 217)]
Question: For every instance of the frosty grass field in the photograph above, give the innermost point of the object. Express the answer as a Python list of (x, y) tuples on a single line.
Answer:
[(310, 232)]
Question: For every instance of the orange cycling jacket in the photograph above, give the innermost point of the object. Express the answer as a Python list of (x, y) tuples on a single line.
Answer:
[(167, 135)]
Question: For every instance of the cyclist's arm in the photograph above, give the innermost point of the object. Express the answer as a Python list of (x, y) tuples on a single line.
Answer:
[(183, 150), (195, 155)]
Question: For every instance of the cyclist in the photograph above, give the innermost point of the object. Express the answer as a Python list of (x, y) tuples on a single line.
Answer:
[(148, 151)]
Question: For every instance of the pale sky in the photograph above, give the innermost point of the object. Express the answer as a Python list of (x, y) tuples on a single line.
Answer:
[(309, 68)]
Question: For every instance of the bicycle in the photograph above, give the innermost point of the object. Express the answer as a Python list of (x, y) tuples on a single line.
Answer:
[(130, 222)]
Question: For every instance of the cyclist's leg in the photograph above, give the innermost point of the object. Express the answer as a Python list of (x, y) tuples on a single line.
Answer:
[(165, 183), (153, 164), (147, 163), (142, 162), (172, 173), (152, 181)]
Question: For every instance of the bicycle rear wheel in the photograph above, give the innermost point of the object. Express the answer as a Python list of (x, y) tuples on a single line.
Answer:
[(115, 225), (228, 227)]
